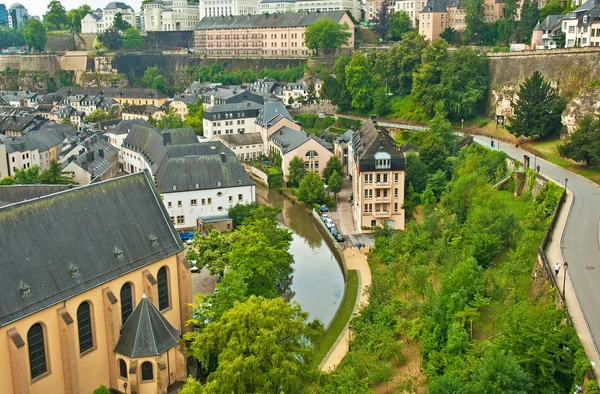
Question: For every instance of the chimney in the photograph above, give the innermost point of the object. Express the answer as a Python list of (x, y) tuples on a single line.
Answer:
[(281, 131), (71, 158), (90, 156), (166, 138), (223, 157), (84, 165), (101, 152), (73, 144), (81, 151)]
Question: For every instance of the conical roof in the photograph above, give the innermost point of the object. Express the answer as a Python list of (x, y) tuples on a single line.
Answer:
[(538, 26), (146, 333)]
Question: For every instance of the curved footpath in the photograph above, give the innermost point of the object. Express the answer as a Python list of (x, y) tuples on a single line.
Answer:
[(574, 240), (355, 260)]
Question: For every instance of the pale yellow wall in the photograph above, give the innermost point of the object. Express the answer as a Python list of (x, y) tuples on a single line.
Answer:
[(92, 366), (432, 24), (157, 102), (180, 107), (364, 217)]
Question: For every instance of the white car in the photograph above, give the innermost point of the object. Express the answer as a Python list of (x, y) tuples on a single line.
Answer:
[(329, 223)]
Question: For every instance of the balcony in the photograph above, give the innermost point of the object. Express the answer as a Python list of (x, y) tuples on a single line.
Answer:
[(382, 214), (381, 185), (386, 199)]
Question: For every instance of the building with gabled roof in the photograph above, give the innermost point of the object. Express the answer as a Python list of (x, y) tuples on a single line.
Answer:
[(247, 146), (377, 178), (67, 299)]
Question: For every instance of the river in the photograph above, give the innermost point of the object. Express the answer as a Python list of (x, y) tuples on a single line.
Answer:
[(318, 282)]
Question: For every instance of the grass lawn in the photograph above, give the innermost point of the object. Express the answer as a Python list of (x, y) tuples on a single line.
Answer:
[(549, 149), (341, 318)]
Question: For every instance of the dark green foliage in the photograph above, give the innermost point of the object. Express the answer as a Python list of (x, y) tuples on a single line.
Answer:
[(54, 175), (399, 25), (334, 86), (530, 15), (296, 171), (241, 213), (216, 73), (325, 34), (10, 37), (275, 181), (499, 374), (381, 104), (403, 58), (553, 7), (56, 15), (449, 35), (359, 81), (111, 39), (335, 183), (119, 23), (34, 34), (428, 75), (537, 110), (312, 190), (334, 164), (132, 39), (584, 143)]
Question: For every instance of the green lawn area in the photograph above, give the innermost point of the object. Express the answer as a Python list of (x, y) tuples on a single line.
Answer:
[(549, 149), (403, 107), (339, 322)]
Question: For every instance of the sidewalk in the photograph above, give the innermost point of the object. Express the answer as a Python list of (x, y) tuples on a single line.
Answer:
[(554, 255), (357, 261)]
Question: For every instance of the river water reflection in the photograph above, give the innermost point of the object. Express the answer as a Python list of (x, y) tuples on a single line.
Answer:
[(318, 283)]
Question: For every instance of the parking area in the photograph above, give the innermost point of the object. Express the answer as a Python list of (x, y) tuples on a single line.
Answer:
[(344, 220)]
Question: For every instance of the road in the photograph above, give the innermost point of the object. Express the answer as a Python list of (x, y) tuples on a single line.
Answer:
[(580, 242)]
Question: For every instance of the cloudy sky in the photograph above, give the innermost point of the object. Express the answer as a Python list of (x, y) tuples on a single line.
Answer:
[(38, 7)]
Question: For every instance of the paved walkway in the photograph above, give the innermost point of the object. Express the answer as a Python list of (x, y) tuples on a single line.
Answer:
[(357, 261)]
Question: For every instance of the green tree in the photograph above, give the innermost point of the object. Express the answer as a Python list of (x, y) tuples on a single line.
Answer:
[(449, 34), (296, 171), (475, 19), (359, 81), (149, 75), (554, 7), (336, 183), (159, 84), (537, 110), (193, 118), (311, 95), (378, 64), (311, 189), (8, 180), (97, 116), (325, 34), (530, 15), (399, 24), (334, 164), (428, 75), (76, 15), (132, 39), (334, 86), (10, 37), (54, 175), (404, 57), (381, 104), (211, 251), (66, 121), (507, 26), (584, 143), (119, 23), (261, 346), (463, 82), (171, 119), (499, 373), (28, 176), (102, 390), (35, 35), (291, 100), (56, 15), (111, 39)]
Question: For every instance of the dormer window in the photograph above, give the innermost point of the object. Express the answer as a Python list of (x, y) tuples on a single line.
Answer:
[(383, 161), (119, 254), (24, 288), (74, 270), (153, 240)]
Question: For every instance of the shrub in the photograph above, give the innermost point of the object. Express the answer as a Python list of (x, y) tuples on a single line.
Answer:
[(482, 123)]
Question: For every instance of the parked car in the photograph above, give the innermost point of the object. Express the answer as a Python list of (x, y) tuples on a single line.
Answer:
[(324, 208), (324, 216), (186, 236), (329, 223), (339, 237), (333, 230)]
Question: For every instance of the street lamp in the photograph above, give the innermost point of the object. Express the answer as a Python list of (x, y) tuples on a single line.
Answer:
[(566, 265), (566, 181), (350, 338)]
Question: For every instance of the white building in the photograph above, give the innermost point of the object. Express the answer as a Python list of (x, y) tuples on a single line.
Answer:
[(170, 15), (228, 7), (277, 6), (283, 6), (17, 15), (196, 180), (102, 20), (116, 135), (235, 118)]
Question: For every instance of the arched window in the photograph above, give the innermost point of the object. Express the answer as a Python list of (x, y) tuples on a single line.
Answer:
[(37, 350), (147, 371), (163, 288), (84, 326), (126, 302), (311, 154), (122, 368)]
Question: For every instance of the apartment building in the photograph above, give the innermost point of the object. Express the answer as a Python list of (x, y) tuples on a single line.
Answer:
[(210, 8), (267, 35), (170, 15), (378, 178), (235, 118), (120, 96)]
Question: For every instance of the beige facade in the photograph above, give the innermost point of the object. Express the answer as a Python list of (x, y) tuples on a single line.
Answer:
[(313, 154), (260, 41), (432, 24), (72, 372), (378, 197)]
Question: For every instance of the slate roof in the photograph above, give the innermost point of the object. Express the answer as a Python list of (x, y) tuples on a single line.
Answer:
[(270, 111), (124, 126), (116, 5), (345, 138), (17, 193), (111, 92), (289, 139), (370, 139), (277, 1), (551, 23), (87, 224), (146, 333), (186, 98), (199, 167), (266, 20), (21, 124), (98, 164), (241, 139), (244, 105)]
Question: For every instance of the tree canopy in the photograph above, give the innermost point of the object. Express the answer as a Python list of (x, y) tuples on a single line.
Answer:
[(132, 39), (334, 164), (119, 23), (56, 15), (325, 34), (296, 171), (35, 35), (359, 81), (312, 190), (399, 25), (537, 110), (584, 143)]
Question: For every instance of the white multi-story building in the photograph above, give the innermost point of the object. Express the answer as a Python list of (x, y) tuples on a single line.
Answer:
[(236, 118), (196, 180), (277, 6), (170, 15), (228, 7), (283, 6), (17, 15), (101, 20)]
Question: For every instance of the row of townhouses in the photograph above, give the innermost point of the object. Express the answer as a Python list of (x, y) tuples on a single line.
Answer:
[(182, 15), (578, 28)]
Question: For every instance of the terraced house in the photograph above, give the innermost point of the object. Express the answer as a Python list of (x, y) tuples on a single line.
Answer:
[(103, 301)]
